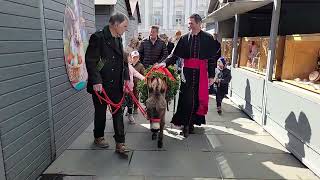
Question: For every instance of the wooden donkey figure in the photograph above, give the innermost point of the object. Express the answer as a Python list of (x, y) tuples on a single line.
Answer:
[(156, 107)]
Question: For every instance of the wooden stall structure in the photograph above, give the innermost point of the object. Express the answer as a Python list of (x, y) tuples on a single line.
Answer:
[(301, 65), (226, 48), (254, 53)]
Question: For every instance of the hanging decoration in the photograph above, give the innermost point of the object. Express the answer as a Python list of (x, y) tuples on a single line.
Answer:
[(75, 44)]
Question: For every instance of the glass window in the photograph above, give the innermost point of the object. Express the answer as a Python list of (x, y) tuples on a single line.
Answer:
[(178, 21), (202, 2), (157, 20), (179, 2)]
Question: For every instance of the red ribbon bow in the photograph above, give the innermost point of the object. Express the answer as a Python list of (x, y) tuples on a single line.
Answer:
[(161, 70)]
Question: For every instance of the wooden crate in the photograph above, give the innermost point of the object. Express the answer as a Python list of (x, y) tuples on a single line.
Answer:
[(261, 44), (226, 49), (300, 59)]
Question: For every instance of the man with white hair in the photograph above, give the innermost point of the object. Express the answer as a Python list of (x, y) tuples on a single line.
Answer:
[(108, 72)]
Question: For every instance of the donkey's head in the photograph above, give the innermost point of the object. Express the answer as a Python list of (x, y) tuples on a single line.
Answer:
[(157, 86)]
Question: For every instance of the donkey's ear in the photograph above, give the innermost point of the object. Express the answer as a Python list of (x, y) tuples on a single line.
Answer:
[(164, 85), (149, 81)]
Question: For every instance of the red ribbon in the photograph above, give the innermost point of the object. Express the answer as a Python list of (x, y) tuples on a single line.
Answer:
[(118, 105), (109, 102), (155, 120), (161, 70), (136, 102)]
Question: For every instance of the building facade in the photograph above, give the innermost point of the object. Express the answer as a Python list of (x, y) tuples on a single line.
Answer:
[(41, 114), (169, 15), (106, 8)]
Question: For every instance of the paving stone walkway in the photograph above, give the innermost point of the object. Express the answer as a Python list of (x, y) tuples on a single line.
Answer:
[(230, 146)]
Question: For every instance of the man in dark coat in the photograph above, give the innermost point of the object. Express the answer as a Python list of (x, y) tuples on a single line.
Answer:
[(107, 70), (152, 49), (198, 51)]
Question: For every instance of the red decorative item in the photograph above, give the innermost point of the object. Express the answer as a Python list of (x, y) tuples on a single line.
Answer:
[(161, 70)]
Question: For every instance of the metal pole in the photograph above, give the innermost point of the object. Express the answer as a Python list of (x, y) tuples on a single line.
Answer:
[(234, 47), (46, 63), (235, 41), (271, 55), (273, 39), (2, 169)]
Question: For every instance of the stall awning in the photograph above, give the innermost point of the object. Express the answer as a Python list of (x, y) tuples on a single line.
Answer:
[(228, 10), (105, 2)]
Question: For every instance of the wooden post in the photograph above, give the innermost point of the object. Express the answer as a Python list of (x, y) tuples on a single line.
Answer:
[(271, 55)]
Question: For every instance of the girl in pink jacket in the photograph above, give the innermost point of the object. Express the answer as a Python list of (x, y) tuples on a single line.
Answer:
[(132, 73)]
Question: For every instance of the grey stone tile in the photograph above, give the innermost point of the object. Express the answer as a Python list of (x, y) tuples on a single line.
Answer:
[(262, 166), (85, 141), (213, 116), (119, 178), (226, 117), (174, 163), (77, 178), (143, 126), (245, 143), (227, 105), (90, 162), (198, 142), (138, 127), (213, 128), (179, 178), (143, 142), (226, 108), (236, 128), (242, 127), (63, 177)]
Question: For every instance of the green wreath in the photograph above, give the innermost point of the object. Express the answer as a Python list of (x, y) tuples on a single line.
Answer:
[(173, 86)]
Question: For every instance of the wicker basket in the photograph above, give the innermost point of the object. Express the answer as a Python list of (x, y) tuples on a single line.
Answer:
[(74, 73)]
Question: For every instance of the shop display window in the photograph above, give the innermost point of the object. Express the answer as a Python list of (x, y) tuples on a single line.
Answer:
[(301, 64), (254, 53), (226, 49)]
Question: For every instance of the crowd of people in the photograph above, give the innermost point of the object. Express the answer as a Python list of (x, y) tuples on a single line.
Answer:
[(197, 54)]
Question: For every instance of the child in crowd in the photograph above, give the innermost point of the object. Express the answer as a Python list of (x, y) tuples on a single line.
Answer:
[(138, 66), (222, 79), (132, 73)]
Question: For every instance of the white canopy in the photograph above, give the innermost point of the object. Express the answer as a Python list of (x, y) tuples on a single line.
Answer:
[(105, 2), (228, 10)]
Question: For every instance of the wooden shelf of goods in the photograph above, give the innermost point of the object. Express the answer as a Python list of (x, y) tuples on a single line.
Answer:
[(226, 49), (301, 58), (254, 53)]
